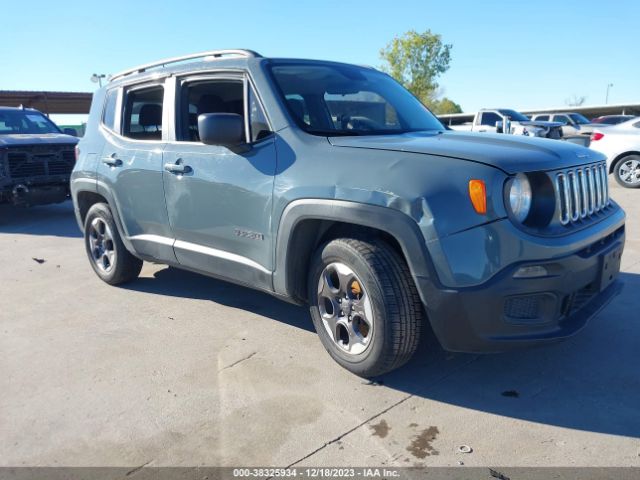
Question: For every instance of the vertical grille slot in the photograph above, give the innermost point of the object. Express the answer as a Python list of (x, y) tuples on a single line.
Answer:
[(581, 192), (575, 197), (584, 195), (592, 191), (562, 193), (596, 174), (605, 185)]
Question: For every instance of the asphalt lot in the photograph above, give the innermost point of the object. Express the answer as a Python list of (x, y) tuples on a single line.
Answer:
[(179, 369)]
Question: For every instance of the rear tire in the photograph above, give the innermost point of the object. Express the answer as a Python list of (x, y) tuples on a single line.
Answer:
[(627, 171), (377, 328), (108, 256)]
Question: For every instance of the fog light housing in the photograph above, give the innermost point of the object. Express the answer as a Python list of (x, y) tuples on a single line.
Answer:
[(532, 271)]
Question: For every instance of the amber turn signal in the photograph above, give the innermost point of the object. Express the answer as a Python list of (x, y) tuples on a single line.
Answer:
[(478, 196)]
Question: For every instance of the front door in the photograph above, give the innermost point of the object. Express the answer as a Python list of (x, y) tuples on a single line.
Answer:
[(219, 199)]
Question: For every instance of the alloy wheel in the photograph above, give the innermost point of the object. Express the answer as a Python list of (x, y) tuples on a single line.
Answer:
[(345, 308), (101, 245), (629, 172)]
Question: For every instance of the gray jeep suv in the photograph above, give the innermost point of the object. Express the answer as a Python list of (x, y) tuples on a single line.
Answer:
[(331, 185)]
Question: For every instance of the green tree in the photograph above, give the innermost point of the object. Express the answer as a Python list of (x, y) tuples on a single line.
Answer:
[(445, 105), (416, 60)]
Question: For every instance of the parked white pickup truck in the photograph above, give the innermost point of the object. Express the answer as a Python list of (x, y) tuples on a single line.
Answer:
[(503, 120)]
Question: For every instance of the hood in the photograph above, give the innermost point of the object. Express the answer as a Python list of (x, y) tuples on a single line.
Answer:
[(31, 139), (510, 153), (536, 123)]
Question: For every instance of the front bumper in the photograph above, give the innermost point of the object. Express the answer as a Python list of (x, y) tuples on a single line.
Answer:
[(31, 192), (506, 312)]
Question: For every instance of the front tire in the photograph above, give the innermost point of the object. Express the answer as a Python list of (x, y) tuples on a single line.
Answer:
[(108, 256), (364, 305), (627, 171)]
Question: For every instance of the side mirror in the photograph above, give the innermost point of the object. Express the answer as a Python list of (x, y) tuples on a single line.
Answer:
[(226, 129), (499, 126), (70, 131)]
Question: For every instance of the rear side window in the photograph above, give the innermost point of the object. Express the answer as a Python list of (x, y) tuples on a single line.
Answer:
[(109, 112), (490, 119), (561, 119), (542, 118), (143, 113)]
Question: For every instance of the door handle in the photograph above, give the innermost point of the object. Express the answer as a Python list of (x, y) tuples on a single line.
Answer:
[(112, 160), (177, 168)]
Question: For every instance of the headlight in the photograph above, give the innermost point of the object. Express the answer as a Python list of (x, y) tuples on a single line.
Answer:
[(520, 197)]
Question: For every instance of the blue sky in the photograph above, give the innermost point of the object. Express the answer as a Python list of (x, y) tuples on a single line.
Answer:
[(507, 54)]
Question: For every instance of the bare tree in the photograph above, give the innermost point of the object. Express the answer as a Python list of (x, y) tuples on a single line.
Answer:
[(575, 100)]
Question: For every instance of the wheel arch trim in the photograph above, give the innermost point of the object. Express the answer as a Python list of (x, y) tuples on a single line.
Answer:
[(619, 157), (395, 223)]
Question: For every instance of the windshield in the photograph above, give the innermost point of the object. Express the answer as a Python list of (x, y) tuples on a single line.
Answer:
[(327, 99), (515, 116), (25, 121), (579, 119)]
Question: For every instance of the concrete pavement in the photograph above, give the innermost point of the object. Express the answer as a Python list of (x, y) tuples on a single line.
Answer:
[(178, 369)]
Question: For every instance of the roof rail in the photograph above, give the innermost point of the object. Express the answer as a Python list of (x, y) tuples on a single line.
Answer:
[(214, 54)]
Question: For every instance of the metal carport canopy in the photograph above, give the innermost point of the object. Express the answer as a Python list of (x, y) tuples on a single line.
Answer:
[(48, 102)]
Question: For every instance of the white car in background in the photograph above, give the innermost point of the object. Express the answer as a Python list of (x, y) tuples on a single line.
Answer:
[(621, 144), (572, 123)]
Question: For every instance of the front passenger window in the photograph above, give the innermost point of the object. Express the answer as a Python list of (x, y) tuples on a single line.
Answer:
[(208, 96)]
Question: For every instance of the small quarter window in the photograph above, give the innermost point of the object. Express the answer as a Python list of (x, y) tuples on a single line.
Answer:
[(109, 112), (143, 114), (259, 125)]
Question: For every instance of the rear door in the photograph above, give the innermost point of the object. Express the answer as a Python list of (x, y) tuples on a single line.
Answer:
[(130, 168), (219, 199)]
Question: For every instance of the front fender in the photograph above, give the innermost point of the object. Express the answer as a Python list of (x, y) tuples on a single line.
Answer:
[(397, 224)]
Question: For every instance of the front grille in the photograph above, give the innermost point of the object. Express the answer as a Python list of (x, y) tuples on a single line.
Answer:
[(40, 161), (523, 308), (582, 192)]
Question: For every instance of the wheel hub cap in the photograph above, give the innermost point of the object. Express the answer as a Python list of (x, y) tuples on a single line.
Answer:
[(101, 245), (345, 308), (630, 172)]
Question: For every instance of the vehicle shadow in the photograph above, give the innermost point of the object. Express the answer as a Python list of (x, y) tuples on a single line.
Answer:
[(590, 382), (54, 220), (181, 283)]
